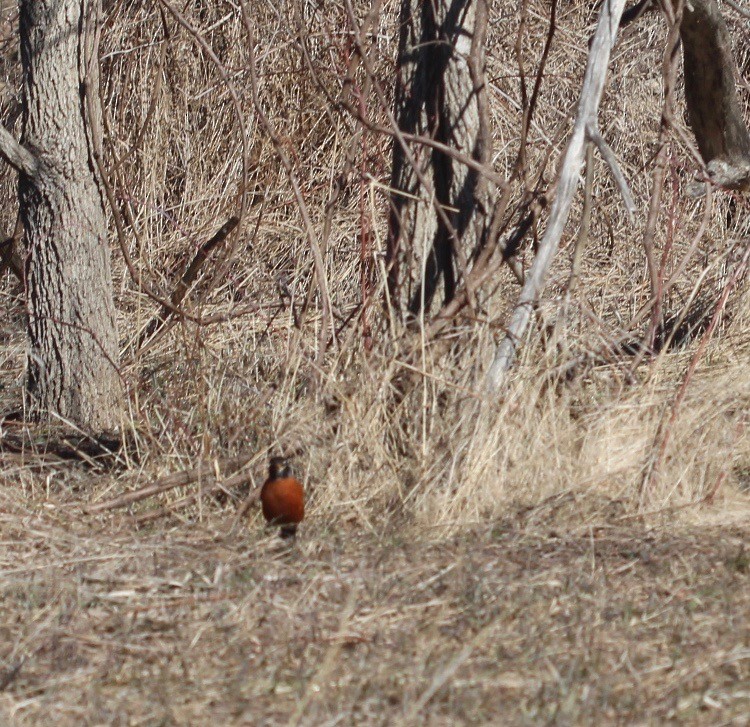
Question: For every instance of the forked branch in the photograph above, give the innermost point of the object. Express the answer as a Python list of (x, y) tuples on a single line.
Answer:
[(17, 155), (588, 105)]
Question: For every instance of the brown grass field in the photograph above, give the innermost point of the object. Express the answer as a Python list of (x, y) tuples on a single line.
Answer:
[(574, 551)]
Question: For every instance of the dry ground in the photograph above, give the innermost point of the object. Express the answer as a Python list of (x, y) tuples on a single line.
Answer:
[(569, 612)]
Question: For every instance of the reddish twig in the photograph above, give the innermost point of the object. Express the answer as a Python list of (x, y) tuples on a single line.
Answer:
[(669, 75), (666, 428), (312, 238)]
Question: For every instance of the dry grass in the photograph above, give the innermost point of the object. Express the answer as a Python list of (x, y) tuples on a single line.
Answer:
[(462, 559), (565, 613)]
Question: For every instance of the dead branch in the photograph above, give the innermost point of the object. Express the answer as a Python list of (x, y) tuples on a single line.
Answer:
[(107, 188), (312, 238), (187, 279), (588, 104), (169, 482), (226, 487), (669, 77), (244, 134), (611, 160), (585, 226), (17, 155)]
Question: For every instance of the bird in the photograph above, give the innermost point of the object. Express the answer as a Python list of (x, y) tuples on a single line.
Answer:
[(282, 497)]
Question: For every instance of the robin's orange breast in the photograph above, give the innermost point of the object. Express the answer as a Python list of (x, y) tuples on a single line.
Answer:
[(283, 501)]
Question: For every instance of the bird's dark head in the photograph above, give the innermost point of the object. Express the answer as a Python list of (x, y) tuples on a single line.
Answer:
[(279, 467)]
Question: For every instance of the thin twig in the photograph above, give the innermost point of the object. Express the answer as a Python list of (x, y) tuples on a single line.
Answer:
[(226, 487), (666, 428), (611, 160), (220, 271), (583, 230), (312, 238), (669, 75)]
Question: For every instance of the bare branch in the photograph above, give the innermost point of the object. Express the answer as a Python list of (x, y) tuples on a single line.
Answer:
[(588, 104), (200, 473), (609, 157), (286, 162), (188, 278), (17, 155), (669, 78)]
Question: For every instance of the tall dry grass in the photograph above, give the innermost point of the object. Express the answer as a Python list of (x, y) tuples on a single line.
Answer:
[(378, 435)]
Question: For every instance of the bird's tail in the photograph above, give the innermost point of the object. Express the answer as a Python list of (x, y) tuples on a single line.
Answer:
[(288, 531)]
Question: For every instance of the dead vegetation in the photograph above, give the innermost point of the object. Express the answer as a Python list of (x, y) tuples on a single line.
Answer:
[(549, 556), (569, 612)]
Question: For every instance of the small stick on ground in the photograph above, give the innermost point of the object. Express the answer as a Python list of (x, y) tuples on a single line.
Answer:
[(226, 487), (169, 482)]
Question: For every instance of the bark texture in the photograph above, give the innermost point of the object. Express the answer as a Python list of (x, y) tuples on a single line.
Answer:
[(72, 362), (710, 91), (438, 205)]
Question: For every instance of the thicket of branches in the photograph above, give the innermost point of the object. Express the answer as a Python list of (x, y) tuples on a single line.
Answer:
[(248, 154)]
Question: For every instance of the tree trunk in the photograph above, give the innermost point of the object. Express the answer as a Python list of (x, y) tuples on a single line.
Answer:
[(72, 361), (711, 94), (438, 204)]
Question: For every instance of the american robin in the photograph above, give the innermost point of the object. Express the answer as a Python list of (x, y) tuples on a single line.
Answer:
[(282, 497)]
